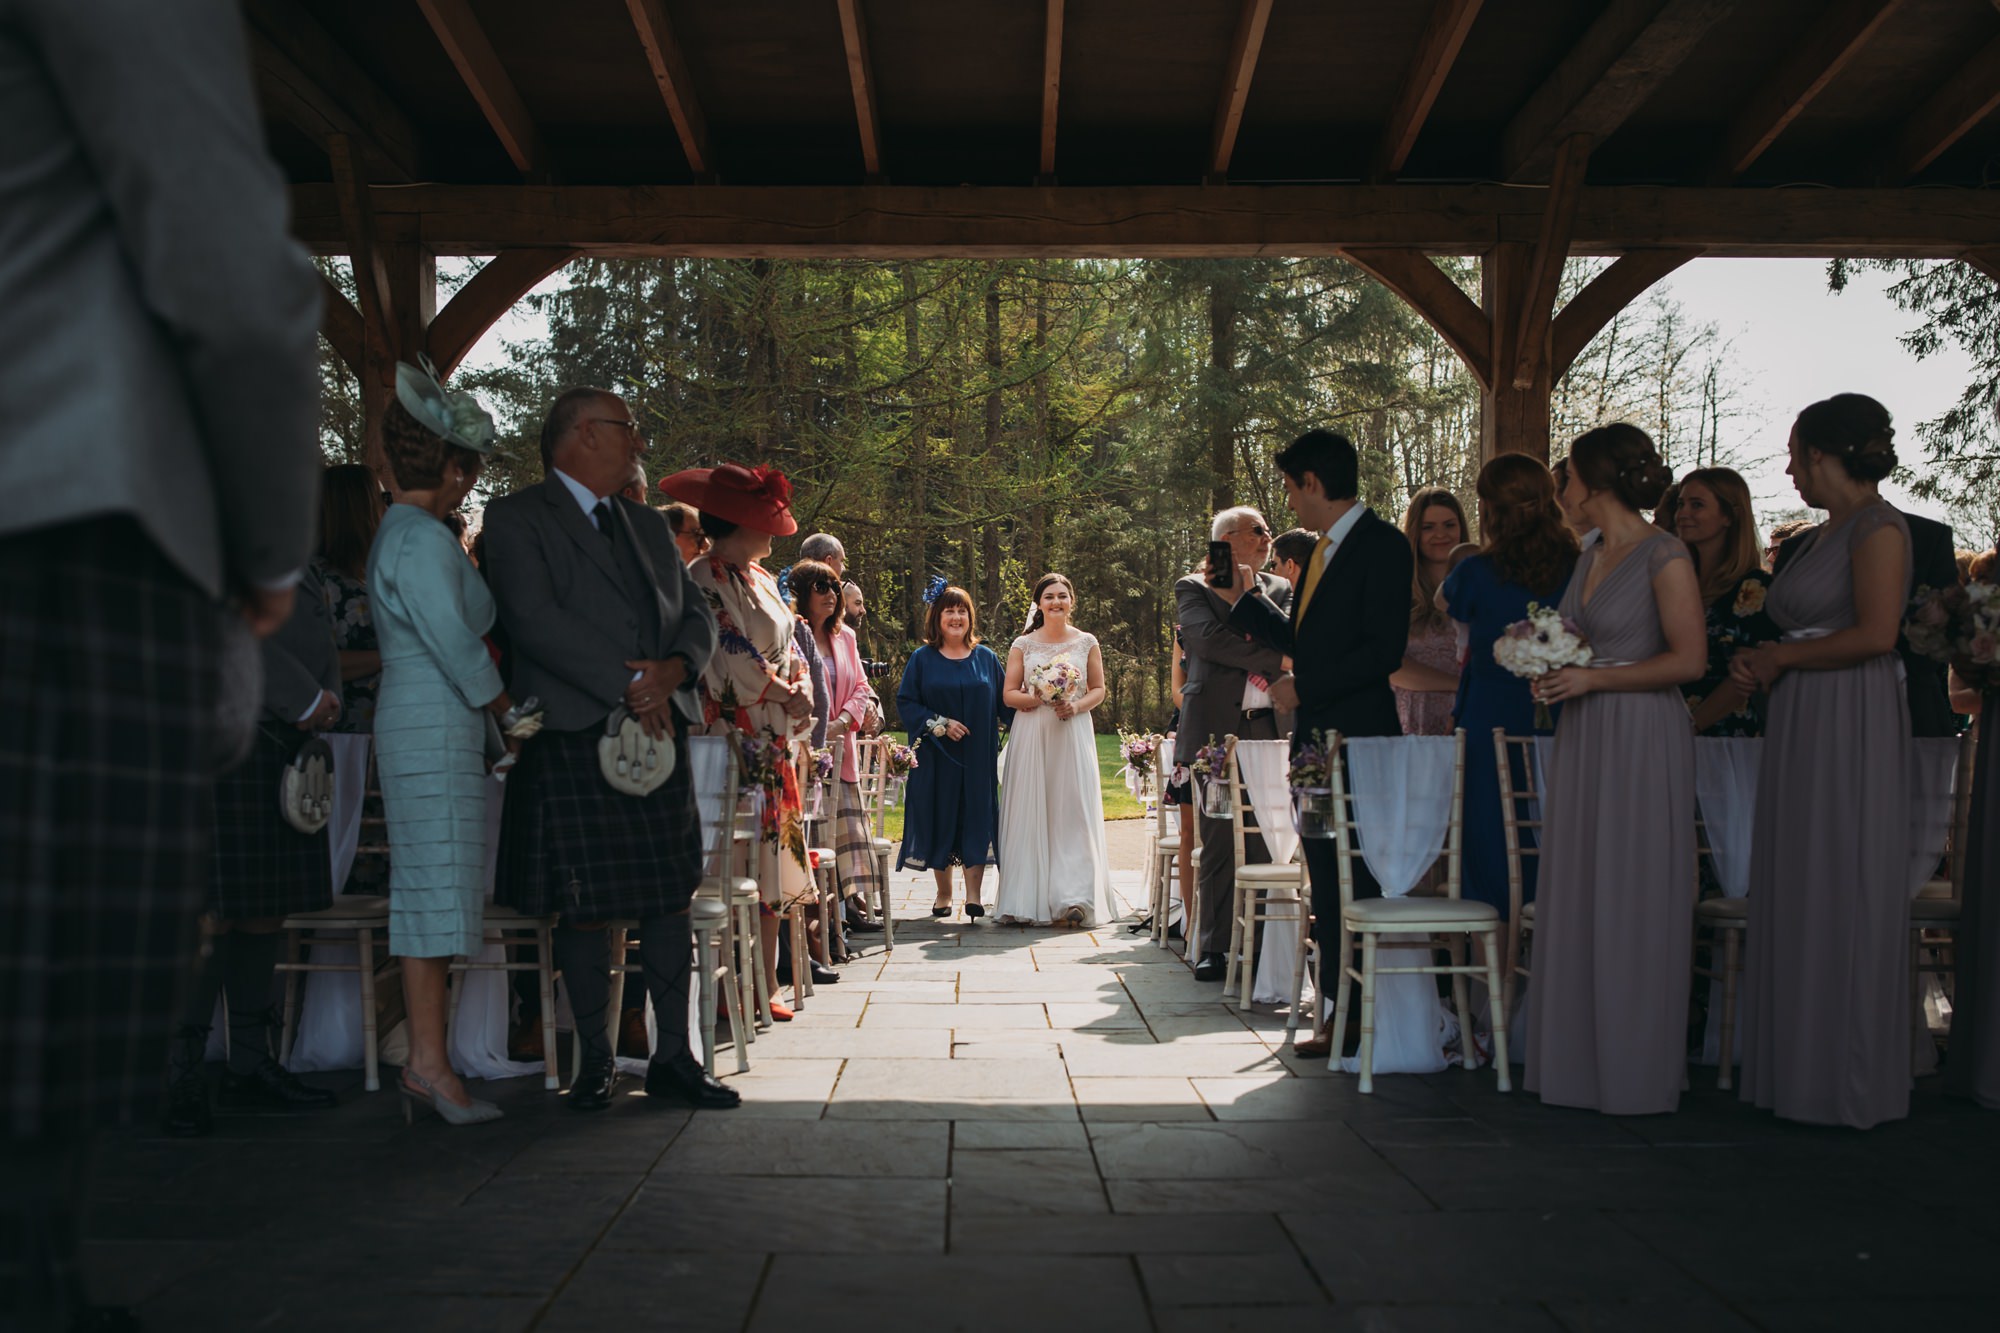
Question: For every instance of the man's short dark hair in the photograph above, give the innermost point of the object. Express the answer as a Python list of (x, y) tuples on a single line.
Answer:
[(1329, 456), (562, 417), (1295, 545)]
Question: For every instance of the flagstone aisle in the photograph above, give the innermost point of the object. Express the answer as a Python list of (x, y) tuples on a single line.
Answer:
[(1007, 1129)]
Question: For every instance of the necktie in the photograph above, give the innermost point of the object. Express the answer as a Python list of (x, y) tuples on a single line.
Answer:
[(602, 517), (1312, 575)]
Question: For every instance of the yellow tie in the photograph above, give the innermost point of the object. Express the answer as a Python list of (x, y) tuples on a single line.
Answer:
[(1312, 577)]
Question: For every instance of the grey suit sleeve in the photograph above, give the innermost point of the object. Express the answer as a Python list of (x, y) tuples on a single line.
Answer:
[(160, 98), (539, 626), (295, 658), (1207, 634)]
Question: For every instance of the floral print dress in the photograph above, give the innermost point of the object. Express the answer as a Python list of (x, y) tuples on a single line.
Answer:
[(744, 687), (353, 632), (1735, 620)]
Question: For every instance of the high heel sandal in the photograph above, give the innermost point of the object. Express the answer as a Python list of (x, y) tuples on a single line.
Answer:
[(941, 911), (478, 1113), (973, 911)]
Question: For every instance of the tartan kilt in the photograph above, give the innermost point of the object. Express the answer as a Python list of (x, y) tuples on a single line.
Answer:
[(108, 665), (570, 844), (262, 866), (854, 845)]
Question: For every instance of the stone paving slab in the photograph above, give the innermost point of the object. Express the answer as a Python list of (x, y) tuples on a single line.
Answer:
[(1007, 1128)]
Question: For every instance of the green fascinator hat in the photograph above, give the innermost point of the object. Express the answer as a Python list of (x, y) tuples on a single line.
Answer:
[(455, 417)]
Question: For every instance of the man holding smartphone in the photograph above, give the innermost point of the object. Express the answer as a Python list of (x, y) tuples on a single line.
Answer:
[(1227, 694)]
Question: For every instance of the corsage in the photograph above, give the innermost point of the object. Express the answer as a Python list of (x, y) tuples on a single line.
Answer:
[(938, 726), (523, 720)]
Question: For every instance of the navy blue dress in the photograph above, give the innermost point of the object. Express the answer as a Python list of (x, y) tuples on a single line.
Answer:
[(1488, 697), (953, 803)]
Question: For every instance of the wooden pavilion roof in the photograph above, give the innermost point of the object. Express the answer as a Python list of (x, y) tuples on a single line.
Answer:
[(1140, 126)]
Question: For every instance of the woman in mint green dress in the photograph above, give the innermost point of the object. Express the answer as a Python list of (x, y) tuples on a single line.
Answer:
[(431, 610)]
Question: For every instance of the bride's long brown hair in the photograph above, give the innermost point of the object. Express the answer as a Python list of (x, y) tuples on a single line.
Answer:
[(1035, 620)]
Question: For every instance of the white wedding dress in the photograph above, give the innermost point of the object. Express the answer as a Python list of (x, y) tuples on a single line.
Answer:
[(1051, 846)]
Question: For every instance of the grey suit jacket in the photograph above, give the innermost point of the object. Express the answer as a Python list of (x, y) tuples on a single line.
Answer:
[(303, 657), (157, 353), (1219, 660), (571, 625)]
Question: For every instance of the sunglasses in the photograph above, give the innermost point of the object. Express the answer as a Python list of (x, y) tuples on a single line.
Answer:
[(822, 585)]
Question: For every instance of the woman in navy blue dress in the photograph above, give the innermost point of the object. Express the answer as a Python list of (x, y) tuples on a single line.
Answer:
[(950, 702), (1527, 555)]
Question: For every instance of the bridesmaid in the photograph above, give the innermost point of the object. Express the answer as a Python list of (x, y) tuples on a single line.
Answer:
[(1608, 1022), (950, 701), (1826, 1018), (1434, 524)]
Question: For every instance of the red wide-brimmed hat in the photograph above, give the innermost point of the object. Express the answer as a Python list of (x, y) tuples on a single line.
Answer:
[(753, 497)]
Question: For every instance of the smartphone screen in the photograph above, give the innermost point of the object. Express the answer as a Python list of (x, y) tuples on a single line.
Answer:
[(1221, 565)]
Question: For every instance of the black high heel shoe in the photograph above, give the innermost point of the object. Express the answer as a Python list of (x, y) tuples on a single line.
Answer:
[(973, 911), (941, 911)]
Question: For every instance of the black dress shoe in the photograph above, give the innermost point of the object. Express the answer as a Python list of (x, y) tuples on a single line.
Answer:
[(594, 1086), (1212, 967), (187, 1115), (682, 1081), (272, 1087), (822, 975), (865, 927)]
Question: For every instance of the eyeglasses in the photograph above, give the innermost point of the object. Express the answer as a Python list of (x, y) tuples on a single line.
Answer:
[(638, 432), (1256, 529)]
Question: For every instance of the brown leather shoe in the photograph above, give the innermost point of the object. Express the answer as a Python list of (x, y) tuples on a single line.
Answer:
[(632, 1038), (1313, 1048)]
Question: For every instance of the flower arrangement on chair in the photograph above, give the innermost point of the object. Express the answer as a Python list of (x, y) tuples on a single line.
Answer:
[(1312, 787), (1211, 765)]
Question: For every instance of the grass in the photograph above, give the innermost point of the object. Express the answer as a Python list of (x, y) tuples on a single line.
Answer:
[(1118, 802)]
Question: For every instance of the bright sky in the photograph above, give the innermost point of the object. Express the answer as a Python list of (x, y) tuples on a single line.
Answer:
[(1793, 342)]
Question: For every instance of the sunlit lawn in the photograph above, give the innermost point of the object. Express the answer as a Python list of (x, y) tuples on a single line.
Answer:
[(1118, 802)]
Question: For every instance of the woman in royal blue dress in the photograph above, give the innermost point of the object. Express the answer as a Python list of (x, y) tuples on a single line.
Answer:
[(950, 702), (1527, 555)]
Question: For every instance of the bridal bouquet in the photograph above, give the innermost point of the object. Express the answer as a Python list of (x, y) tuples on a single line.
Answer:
[(1056, 681), (1542, 643), (1960, 626)]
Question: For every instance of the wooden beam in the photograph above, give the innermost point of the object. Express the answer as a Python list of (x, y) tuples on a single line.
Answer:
[(861, 78), (1443, 37), (354, 209), (342, 326), (1624, 56), (1830, 44), (1986, 261), (1052, 40), (670, 72), (1251, 20), (1157, 222), (306, 78), (1545, 266), (1456, 317), (486, 78), (1947, 115), (1604, 296), (491, 293)]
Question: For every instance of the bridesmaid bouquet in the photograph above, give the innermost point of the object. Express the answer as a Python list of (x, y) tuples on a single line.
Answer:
[(1056, 681), (1542, 643), (1960, 626)]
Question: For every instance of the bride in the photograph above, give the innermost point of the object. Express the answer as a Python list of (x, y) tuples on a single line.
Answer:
[(1053, 866)]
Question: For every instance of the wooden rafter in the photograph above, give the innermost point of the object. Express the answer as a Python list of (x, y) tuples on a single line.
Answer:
[(1987, 261), (306, 78), (355, 211), (1603, 297), (1443, 37), (489, 294), (343, 326), (1445, 307), (1052, 42), (1163, 222), (478, 64), (1947, 115), (1831, 43), (861, 78), (670, 72), (1251, 22), (1531, 329), (1624, 56)]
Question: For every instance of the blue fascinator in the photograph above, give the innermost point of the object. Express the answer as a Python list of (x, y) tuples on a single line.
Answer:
[(455, 417), (934, 589)]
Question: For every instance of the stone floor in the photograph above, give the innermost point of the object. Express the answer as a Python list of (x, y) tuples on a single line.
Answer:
[(1008, 1129)]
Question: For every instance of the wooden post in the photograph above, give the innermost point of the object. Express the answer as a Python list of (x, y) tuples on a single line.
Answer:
[(409, 272), (1513, 417)]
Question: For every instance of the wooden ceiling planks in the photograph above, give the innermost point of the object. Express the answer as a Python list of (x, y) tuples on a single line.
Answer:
[(478, 64), (1444, 37), (670, 72), (1826, 49), (1253, 18)]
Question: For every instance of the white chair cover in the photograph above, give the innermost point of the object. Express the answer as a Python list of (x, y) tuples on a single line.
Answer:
[(1725, 788), (1267, 769), (350, 789), (1402, 805), (1930, 806)]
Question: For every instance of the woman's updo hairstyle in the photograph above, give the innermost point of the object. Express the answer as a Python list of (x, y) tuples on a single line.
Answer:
[(1036, 621), (1853, 428), (418, 456), (1622, 459)]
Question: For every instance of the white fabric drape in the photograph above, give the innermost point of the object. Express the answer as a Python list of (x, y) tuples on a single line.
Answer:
[(1930, 806), (1725, 789), (1267, 767), (350, 789), (1402, 804)]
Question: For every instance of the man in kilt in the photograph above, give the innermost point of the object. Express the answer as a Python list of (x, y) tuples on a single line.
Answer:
[(157, 451), (261, 871), (601, 614)]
